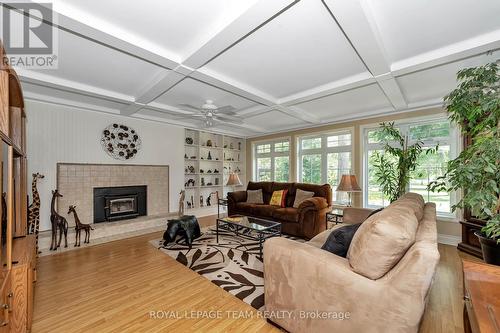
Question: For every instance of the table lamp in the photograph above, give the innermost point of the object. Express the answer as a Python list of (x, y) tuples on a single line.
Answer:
[(348, 184)]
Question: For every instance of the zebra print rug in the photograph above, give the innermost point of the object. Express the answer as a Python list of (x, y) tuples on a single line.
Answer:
[(231, 264)]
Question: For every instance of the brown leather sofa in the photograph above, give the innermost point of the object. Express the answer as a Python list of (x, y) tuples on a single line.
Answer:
[(306, 221)]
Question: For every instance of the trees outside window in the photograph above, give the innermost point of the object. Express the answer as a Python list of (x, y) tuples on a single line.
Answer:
[(324, 158), (431, 166), (272, 161)]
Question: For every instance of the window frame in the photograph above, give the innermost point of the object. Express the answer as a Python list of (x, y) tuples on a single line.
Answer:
[(272, 154), (324, 151), (453, 140)]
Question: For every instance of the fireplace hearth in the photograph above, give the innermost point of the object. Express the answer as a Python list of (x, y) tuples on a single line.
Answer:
[(119, 203)]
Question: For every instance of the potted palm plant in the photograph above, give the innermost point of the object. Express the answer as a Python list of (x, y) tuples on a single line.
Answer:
[(475, 106), (393, 167)]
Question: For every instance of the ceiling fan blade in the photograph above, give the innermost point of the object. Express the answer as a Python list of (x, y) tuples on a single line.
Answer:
[(228, 109), (226, 117), (190, 107)]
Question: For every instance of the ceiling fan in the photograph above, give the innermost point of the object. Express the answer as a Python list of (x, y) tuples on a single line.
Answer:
[(211, 113)]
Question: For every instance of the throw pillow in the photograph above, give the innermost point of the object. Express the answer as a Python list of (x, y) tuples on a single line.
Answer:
[(340, 239), (278, 198), (255, 197), (301, 196)]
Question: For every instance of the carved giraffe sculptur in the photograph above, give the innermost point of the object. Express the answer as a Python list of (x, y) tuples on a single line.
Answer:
[(58, 223), (79, 227), (34, 208)]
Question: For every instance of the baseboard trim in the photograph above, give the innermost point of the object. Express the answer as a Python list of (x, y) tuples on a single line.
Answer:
[(449, 239)]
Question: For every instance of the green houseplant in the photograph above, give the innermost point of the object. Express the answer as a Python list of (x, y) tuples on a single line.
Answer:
[(475, 106), (393, 168)]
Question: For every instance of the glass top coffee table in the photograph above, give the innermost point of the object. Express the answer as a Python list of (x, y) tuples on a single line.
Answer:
[(249, 227)]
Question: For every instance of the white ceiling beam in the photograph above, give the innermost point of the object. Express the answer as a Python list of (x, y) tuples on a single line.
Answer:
[(254, 111), (451, 53), (359, 26), (81, 24), (71, 86), (392, 91), (245, 24), (158, 86), (233, 87), (298, 114), (244, 125), (331, 88), (31, 96), (131, 109)]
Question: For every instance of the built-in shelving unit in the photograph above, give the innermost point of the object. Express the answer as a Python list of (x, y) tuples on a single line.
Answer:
[(209, 158)]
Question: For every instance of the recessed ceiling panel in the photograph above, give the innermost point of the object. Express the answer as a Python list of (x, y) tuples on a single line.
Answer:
[(93, 64), (348, 103), (409, 28), (436, 82), (195, 93), (65, 97), (274, 120), (176, 26), (300, 49)]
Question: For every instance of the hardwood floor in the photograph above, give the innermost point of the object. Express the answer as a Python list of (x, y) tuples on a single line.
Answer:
[(113, 287)]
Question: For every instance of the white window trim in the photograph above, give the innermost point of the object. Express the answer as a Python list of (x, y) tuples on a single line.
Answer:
[(455, 146), (324, 151), (272, 154)]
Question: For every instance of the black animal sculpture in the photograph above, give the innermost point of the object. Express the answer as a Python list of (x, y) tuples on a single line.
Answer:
[(186, 226)]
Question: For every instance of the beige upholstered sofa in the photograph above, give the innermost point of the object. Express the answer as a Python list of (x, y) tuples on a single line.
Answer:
[(381, 286)]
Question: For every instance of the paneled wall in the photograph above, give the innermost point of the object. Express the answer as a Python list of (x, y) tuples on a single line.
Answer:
[(59, 134)]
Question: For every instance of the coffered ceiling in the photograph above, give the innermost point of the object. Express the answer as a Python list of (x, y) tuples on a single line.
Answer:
[(281, 64)]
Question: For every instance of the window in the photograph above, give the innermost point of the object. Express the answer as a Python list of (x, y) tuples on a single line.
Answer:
[(272, 161), (324, 159), (432, 133)]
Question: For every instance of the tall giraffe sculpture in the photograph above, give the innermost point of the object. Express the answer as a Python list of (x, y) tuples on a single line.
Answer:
[(34, 208), (79, 226), (58, 223)]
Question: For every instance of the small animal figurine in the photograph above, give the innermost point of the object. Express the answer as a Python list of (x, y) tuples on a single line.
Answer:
[(181, 202), (58, 223), (34, 208), (79, 227), (186, 227)]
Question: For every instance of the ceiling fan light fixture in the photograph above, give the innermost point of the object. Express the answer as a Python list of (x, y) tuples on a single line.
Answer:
[(208, 122)]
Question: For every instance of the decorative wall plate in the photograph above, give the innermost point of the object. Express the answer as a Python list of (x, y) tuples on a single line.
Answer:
[(120, 142)]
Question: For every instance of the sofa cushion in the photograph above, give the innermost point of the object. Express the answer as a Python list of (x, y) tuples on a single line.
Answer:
[(288, 214), (381, 241), (278, 186), (301, 196), (264, 210), (255, 197), (245, 208), (266, 187), (339, 240), (324, 191), (278, 198), (413, 201)]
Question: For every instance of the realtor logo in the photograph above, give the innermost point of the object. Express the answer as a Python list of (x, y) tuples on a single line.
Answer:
[(29, 35)]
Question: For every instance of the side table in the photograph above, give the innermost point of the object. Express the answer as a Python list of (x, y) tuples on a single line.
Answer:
[(335, 216)]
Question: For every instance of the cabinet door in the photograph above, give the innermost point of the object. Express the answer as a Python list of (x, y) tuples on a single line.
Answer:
[(6, 303), (4, 103)]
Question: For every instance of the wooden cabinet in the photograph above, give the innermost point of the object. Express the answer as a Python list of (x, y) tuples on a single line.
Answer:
[(481, 297), (17, 249), (4, 103), (23, 277)]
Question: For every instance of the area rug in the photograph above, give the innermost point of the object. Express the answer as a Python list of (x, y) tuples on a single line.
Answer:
[(231, 264)]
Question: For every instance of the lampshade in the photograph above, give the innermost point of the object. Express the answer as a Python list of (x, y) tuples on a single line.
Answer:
[(233, 180), (348, 183)]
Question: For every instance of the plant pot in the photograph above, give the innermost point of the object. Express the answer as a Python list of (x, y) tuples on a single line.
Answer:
[(490, 248)]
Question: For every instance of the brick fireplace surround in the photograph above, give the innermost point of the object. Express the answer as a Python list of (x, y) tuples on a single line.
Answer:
[(76, 182)]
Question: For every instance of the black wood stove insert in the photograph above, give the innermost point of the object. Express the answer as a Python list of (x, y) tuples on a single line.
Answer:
[(119, 203)]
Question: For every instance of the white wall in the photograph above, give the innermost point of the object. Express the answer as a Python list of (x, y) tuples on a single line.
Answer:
[(64, 134)]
